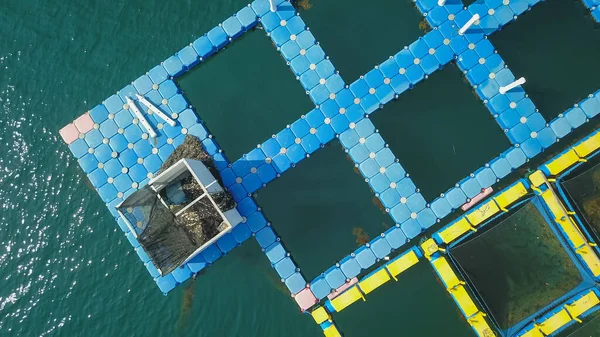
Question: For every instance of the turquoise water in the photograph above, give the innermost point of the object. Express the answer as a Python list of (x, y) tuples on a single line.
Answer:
[(67, 270)]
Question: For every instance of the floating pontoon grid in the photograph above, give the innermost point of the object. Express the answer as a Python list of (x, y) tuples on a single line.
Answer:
[(433, 249), (340, 109), (116, 154), (347, 112), (578, 306), (577, 238)]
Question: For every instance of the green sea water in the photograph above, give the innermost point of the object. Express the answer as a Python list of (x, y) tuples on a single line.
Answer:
[(65, 267)]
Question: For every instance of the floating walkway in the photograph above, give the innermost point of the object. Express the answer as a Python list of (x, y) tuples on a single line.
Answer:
[(469, 222), (119, 157)]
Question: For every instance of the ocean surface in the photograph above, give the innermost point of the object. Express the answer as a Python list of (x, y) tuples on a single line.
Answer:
[(65, 267)]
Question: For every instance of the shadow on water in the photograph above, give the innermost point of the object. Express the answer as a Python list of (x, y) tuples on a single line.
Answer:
[(88, 183)]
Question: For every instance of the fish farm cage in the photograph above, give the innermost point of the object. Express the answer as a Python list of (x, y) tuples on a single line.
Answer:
[(518, 265), (518, 257), (180, 212)]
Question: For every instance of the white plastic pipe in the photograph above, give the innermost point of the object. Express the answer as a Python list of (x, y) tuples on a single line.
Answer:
[(441, 2), (273, 7), (141, 117), (155, 110), (468, 24), (514, 84)]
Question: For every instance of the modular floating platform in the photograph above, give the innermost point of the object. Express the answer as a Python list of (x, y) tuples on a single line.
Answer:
[(119, 157)]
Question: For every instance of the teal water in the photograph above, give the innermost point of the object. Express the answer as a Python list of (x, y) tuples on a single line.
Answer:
[(67, 270)]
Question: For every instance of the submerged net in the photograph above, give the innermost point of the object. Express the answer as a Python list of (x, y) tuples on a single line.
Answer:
[(518, 266), (167, 238), (584, 190)]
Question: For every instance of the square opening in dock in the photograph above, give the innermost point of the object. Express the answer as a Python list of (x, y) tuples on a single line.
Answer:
[(358, 36), (245, 93), (323, 210), (517, 266), (440, 131), (556, 47), (415, 305)]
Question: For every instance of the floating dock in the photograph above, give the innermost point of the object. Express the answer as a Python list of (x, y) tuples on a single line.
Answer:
[(119, 156)]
